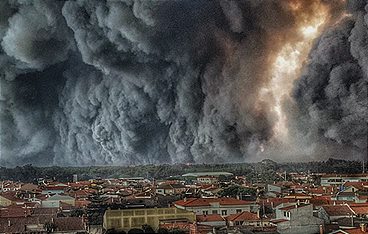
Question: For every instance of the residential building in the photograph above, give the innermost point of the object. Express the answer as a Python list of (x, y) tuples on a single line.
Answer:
[(214, 220), (246, 218), (338, 180), (170, 189), (273, 190), (56, 225), (207, 179), (10, 198), (359, 230), (57, 200), (7, 186), (330, 213), (221, 206), (54, 190), (294, 218), (126, 219), (360, 210)]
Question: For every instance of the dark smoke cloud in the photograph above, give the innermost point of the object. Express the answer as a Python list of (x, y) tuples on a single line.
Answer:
[(134, 82), (331, 95)]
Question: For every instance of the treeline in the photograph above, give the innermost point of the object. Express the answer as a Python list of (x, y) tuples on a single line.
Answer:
[(264, 170)]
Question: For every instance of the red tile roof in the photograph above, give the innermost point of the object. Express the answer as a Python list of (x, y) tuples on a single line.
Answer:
[(351, 231), (320, 201), (51, 188), (11, 196), (82, 203), (338, 210), (360, 209), (358, 185), (209, 218), (14, 212), (243, 216), (293, 207), (69, 224), (16, 225), (44, 211), (63, 224), (195, 202), (322, 190)]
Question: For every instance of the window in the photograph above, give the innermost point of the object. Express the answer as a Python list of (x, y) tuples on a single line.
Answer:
[(238, 210), (224, 212), (285, 213), (214, 212), (205, 212)]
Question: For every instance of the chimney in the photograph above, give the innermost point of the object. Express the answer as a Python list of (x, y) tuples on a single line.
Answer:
[(321, 229), (363, 227), (185, 199)]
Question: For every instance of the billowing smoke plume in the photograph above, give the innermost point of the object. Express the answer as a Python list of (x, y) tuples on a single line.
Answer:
[(331, 95), (133, 82)]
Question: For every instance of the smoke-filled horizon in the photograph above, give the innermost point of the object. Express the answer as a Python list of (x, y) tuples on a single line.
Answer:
[(148, 82)]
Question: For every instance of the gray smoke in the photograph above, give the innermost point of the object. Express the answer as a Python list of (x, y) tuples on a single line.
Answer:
[(331, 95), (134, 82)]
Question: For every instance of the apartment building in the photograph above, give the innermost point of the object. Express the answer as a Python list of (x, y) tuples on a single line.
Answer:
[(126, 219), (221, 206)]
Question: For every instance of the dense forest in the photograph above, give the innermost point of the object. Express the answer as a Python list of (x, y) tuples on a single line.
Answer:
[(264, 170)]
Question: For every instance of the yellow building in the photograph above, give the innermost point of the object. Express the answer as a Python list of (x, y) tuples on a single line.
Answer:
[(127, 219), (9, 198), (5, 201)]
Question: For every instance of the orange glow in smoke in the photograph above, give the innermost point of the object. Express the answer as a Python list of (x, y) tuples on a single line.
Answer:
[(287, 66)]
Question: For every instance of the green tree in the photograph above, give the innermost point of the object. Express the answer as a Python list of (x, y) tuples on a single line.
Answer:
[(147, 229), (135, 231), (236, 190), (162, 231)]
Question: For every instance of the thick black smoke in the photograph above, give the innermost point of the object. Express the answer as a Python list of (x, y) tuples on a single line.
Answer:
[(331, 95), (134, 82)]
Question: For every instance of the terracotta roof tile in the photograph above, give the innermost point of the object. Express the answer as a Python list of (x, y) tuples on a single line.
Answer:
[(194, 202), (243, 216), (338, 210), (293, 207), (11, 196), (69, 224), (209, 218)]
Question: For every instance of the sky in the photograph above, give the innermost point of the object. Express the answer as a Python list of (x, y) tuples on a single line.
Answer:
[(90, 82)]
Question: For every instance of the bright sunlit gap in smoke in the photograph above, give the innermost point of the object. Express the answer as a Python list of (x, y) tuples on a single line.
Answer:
[(286, 68)]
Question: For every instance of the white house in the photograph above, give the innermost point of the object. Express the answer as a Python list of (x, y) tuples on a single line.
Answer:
[(221, 206)]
